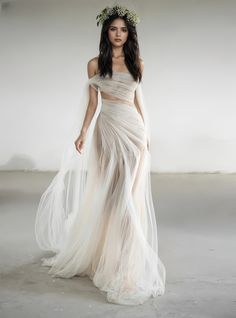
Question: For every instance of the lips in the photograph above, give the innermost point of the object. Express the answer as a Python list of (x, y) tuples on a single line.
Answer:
[(117, 40)]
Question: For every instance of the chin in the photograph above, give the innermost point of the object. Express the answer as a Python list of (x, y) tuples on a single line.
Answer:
[(118, 44)]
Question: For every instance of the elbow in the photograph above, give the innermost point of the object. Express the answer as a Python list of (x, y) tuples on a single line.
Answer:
[(92, 105)]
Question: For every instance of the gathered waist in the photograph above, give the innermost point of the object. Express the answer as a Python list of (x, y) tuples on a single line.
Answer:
[(113, 102), (116, 108)]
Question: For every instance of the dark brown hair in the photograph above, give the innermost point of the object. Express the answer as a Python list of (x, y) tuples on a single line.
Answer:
[(131, 50)]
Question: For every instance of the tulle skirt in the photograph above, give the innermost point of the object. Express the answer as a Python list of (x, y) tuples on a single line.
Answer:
[(112, 235)]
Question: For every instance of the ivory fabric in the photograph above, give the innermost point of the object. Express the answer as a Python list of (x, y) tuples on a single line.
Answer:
[(97, 215), (121, 85)]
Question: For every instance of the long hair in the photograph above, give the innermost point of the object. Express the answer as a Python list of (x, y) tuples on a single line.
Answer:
[(130, 48)]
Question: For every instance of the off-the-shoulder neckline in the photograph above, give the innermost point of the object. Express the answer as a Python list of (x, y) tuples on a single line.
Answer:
[(113, 72), (121, 72)]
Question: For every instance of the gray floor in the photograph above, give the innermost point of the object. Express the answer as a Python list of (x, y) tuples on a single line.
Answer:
[(196, 216)]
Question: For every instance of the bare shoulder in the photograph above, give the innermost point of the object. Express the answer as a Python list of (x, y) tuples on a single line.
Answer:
[(92, 67), (141, 64)]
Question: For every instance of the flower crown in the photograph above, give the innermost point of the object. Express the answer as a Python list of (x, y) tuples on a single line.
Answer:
[(121, 11)]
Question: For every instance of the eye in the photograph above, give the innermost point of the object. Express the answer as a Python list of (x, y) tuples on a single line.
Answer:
[(124, 29)]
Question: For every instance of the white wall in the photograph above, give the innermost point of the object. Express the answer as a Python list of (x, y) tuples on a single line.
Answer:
[(189, 52)]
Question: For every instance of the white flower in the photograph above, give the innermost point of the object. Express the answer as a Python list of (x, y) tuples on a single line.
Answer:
[(120, 11)]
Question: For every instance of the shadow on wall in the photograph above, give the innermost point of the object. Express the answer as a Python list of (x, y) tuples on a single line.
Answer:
[(19, 162)]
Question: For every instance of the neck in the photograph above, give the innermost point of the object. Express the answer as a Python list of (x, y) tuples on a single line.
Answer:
[(117, 52)]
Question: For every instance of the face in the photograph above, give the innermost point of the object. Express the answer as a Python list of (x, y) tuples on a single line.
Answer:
[(118, 32)]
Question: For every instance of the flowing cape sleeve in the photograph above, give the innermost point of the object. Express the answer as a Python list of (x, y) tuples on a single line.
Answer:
[(62, 199), (143, 107)]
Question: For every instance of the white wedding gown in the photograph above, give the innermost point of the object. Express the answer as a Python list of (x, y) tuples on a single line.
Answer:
[(97, 214)]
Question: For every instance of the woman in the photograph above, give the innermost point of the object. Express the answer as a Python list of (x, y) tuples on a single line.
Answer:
[(97, 215)]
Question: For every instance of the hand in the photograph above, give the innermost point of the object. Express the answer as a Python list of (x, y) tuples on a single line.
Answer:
[(148, 142), (79, 143), (148, 145)]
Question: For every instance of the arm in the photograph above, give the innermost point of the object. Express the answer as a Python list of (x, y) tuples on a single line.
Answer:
[(91, 108), (93, 98), (135, 96), (138, 106)]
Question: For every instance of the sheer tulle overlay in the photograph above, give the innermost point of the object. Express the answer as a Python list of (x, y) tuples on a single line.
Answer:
[(97, 214)]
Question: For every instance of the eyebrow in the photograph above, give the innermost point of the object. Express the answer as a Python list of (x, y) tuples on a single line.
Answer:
[(117, 27)]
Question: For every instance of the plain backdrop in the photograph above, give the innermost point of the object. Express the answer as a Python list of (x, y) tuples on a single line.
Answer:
[(188, 47)]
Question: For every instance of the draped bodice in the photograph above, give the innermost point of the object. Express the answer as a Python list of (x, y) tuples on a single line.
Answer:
[(121, 85)]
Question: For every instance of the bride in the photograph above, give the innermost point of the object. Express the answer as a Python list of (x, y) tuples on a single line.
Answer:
[(97, 214)]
